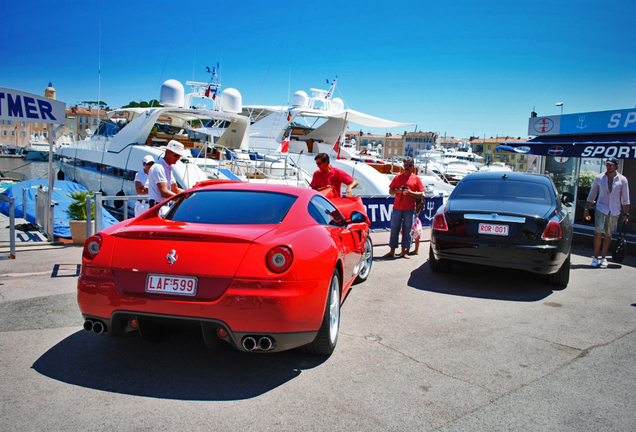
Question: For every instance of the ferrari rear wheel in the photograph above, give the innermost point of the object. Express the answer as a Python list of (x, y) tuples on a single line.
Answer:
[(562, 277), (327, 337), (436, 265), (367, 261)]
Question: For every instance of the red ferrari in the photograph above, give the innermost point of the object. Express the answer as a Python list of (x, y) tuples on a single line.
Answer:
[(264, 268)]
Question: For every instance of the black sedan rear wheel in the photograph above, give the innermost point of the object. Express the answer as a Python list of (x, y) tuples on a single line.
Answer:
[(436, 265), (562, 277), (327, 337)]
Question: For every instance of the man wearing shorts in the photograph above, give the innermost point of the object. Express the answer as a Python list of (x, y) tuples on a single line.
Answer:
[(613, 196)]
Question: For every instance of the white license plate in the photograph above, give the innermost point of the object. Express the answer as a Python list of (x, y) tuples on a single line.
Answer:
[(492, 229), (176, 285)]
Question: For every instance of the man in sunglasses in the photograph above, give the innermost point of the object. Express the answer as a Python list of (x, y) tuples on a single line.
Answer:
[(161, 183), (613, 196), (407, 188), (326, 176)]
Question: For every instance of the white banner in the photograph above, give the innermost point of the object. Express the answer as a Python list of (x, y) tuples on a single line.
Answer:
[(22, 106)]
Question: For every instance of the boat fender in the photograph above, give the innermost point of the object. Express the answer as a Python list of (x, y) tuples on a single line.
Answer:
[(119, 203)]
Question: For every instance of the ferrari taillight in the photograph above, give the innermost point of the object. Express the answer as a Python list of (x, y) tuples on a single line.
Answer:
[(439, 223), (92, 246), (552, 231), (279, 259)]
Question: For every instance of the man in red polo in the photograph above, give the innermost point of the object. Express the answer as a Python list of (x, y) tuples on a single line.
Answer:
[(326, 176)]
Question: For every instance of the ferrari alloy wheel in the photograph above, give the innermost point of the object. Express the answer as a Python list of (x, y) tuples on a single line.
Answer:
[(562, 277), (367, 260), (436, 265), (327, 336)]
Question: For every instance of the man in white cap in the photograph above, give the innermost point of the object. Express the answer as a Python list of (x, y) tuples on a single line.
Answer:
[(613, 200), (141, 184), (161, 184)]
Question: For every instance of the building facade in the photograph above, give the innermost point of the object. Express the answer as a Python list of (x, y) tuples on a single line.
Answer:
[(486, 148)]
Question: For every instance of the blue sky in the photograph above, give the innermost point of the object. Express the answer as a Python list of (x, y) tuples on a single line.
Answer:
[(458, 68)]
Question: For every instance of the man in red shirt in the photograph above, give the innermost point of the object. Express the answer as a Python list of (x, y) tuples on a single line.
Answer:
[(326, 176), (407, 188)]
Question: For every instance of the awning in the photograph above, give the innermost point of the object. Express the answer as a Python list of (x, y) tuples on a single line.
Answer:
[(622, 146)]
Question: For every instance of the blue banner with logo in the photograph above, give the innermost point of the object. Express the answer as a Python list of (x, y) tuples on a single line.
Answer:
[(379, 210), (598, 122), (621, 146)]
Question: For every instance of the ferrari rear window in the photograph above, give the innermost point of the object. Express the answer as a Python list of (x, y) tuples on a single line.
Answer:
[(506, 190), (232, 207)]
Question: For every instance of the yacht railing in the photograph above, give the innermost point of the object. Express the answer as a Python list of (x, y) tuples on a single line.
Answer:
[(99, 205), (265, 168)]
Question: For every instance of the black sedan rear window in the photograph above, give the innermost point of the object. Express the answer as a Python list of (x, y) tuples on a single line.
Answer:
[(507, 190), (232, 207)]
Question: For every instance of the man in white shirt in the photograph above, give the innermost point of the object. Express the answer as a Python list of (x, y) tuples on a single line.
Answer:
[(613, 196), (161, 184), (141, 184)]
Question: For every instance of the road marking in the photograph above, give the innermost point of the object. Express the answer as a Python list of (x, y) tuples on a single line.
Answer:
[(24, 274)]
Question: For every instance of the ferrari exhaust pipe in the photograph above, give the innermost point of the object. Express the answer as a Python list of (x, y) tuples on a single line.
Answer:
[(98, 327), (88, 325), (249, 343), (265, 343)]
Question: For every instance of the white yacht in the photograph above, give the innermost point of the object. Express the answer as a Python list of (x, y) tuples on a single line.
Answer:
[(108, 159), (495, 166), (38, 149), (457, 169), (314, 125)]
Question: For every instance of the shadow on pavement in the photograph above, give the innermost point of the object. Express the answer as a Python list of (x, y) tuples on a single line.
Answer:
[(482, 282), (181, 368)]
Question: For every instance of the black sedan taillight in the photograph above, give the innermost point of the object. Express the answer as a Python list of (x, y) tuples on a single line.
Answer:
[(439, 223), (552, 231)]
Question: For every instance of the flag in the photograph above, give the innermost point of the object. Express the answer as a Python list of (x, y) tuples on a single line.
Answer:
[(289, 115), (336, 147), (214, 95), (207, 92), (284, 146)]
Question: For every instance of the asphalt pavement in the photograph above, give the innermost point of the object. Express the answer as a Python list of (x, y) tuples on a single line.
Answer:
[(478, 349)]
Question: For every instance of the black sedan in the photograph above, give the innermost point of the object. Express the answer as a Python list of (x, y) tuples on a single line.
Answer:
[(511, 220)]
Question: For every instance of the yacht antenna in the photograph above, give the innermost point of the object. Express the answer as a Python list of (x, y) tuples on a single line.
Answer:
[(161, 77), (99, 72), (289, 87), (262, 84), (194, 57)]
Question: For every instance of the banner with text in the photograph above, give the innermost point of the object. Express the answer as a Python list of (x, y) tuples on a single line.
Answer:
[(21, 106), (379, 210)]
